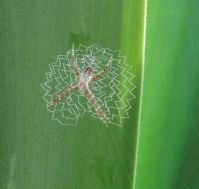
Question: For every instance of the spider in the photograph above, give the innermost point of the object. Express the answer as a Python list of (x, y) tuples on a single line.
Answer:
[(85, 79)]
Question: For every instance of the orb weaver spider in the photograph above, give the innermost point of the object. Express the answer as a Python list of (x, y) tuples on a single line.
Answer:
[(85, 79)]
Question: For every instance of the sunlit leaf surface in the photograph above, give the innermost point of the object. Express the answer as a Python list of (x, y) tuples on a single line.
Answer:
[(169, 137)]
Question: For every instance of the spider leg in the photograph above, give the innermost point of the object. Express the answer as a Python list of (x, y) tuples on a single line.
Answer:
[(66, 93), (74, 64), (92, 100), (102, 73)]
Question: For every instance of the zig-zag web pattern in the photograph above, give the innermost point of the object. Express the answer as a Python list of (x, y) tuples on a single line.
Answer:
[(113, 93)]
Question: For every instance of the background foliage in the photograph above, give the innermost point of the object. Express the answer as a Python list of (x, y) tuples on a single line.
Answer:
[(169, 136)]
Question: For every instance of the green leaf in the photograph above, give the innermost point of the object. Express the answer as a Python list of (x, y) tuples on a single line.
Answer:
[(157, 146), (37, 152), (167, 149)]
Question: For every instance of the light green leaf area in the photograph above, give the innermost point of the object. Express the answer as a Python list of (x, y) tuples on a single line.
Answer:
[(168, 148), (35, 151)]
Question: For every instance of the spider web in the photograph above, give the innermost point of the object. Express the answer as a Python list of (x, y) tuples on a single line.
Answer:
[(113, 93)]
